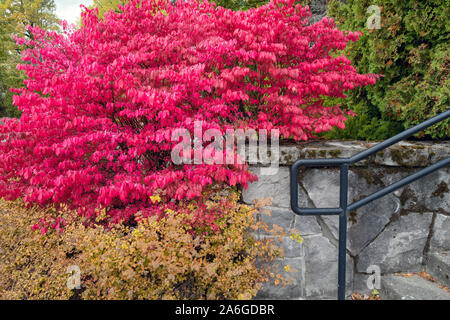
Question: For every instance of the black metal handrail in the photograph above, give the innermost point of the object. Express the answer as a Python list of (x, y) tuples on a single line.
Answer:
[(344, 208)]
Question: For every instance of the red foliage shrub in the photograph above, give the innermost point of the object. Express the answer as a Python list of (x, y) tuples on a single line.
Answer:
[(101, 102)]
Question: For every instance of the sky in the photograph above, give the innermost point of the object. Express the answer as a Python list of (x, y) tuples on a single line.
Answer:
[(70, 9)]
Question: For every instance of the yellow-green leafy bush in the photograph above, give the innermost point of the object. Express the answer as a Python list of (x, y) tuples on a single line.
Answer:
[(156, 259)]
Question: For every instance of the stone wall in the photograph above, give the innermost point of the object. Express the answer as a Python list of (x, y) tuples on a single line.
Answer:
[(395, 232)]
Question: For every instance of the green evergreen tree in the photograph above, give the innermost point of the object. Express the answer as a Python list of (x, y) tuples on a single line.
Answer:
[(15, 16), (106, 5), (411, 50), (240, 4)]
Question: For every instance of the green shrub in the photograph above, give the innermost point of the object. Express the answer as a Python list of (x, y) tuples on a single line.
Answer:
[(162, 258), (411, 51), (240, 4)]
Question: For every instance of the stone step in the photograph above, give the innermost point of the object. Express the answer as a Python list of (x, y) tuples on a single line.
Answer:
[(395, 287), (438, 266)]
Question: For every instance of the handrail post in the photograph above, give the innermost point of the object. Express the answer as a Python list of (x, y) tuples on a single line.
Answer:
[(343, 202)]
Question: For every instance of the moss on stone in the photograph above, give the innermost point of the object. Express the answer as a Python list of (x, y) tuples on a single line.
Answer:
[(301, 174), (406, 195), (287, 157), (352, 217), (311, 153), (399, 156), (371, 176), (335, 153), (441, 190), (407, 156)]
